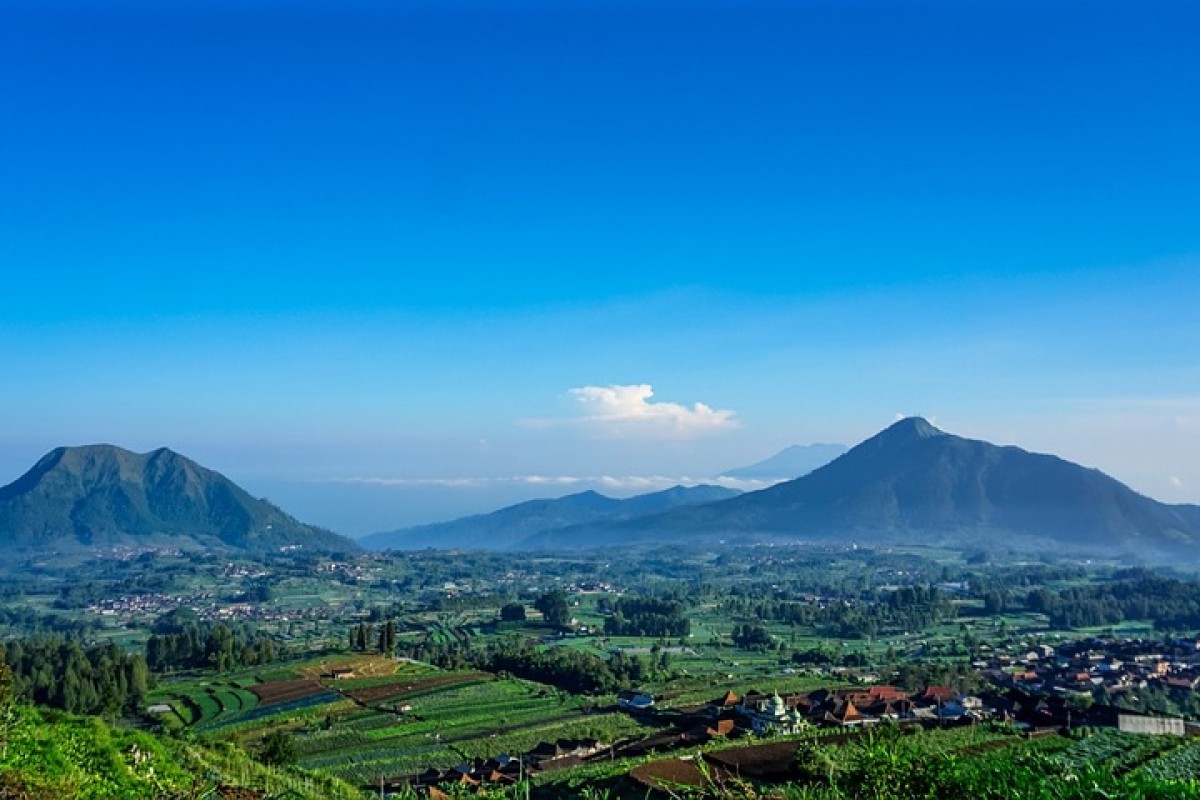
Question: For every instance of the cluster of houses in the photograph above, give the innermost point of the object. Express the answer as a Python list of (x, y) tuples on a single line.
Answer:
[(126, 553), (344, 571), (763, 714), (150, 604), (134, 606), (232, 570), (506, 770), (1089, 666)]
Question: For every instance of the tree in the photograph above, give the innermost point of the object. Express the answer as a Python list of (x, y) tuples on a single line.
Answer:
[(8, 710), (513, 612), (278, 749), (555, 609), (387, 637)]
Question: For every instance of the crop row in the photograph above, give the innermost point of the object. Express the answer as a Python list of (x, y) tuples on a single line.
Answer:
[(287, 709), (1114, 749), (1178, 765)]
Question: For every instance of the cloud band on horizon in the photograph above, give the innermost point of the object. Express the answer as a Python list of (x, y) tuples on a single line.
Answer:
[(615, 482)]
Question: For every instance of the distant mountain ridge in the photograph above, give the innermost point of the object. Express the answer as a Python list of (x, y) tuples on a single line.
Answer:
[(512, 525), (913, 483), (103, 495), (791, 462)]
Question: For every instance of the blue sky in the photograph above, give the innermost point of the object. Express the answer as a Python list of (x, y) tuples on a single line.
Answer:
[(337, 252)]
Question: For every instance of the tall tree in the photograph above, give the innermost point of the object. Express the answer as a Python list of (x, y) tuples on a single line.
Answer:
[(555, 609)]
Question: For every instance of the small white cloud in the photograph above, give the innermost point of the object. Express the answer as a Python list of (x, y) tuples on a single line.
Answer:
[(1174, 481), (627, 410)]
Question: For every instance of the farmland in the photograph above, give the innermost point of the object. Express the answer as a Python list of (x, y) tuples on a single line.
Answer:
[(462, 683), (992, 761), (400, 720)]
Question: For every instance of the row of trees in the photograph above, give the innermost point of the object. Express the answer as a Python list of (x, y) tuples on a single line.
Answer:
[(566, 668), (910, 608), (555, 608), (647, 616), (52, 671), (364, 637), (182, 641), (1171, 604), (752, 637)]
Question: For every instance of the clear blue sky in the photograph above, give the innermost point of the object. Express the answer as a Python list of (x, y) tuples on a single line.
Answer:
[(307, 243)]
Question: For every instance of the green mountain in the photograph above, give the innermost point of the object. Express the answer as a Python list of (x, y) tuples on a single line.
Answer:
[(101, 495), (790, 462), (913, 483), (508, 526)]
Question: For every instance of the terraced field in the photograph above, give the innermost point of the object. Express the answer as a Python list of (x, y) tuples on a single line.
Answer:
[(286, 691), (403, 688), (203, 703), (354, 727), (450, 720)]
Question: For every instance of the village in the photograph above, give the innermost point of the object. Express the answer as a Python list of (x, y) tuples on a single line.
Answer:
[(1043, 691)]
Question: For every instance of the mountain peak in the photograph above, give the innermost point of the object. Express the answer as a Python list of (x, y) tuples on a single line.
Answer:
[(791, 462), (913, 483), (104, 495), (913, 428)]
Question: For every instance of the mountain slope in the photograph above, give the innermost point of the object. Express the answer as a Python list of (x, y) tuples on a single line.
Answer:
[(791, 462), (915, 483), (503, 528), (101, 495)]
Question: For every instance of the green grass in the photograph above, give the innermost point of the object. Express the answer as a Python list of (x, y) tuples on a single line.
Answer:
[(51, 754)]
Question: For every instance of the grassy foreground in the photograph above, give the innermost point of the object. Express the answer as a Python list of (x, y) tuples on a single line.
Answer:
[(47, 754)]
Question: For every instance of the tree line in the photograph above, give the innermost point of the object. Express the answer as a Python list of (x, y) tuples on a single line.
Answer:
[(647, 616), (60, 673), (182, 641), (1170, 604), (364, 637), (910, 608), (566, 668)]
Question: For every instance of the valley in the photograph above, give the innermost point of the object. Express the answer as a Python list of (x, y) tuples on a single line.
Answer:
[(618, 665)]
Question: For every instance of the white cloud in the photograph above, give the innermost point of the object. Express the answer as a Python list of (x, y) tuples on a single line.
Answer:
[(627, 410), (1175, 481), (617, 483)]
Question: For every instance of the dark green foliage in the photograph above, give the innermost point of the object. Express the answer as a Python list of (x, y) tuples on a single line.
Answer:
[(909, 608), (569, 669), (1172, 604), (387, 637), (278, 749), (218, 646), (647, 616), (563, 667), (751, 637), (362, 636), (513, 612), (62, 674), (555, 609)]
